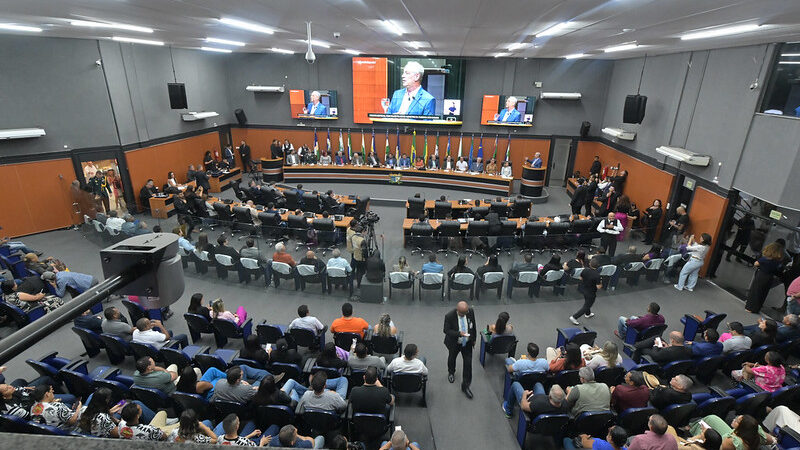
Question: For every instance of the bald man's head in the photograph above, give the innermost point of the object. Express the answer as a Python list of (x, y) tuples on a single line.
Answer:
[(462, 307), (310, 254)]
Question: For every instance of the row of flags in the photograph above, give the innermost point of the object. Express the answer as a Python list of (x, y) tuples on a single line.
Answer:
[(348, 150)]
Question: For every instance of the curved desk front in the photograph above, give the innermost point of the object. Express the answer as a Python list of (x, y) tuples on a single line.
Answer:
[(532, 182), (272, 169), (487, 184)]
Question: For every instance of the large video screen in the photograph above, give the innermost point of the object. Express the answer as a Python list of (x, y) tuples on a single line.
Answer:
[(314, 104), (408, 90), (508, 110)]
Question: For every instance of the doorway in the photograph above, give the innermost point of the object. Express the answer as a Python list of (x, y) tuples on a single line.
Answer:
[(559, 161)]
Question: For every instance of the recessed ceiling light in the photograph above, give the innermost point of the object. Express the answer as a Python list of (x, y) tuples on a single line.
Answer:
[(393, 27), (415, 44), (723, 31), (136, 41), (281, 50), (225, 42), (501, 55), (12, 27), (236, 23), (790, 54), (214, 49), (322, 44), (555, 29), (621, 48), (112, 25), (788, 62), (575, 56), (351, 51)]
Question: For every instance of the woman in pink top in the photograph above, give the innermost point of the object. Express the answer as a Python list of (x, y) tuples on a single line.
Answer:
[(218, 312), (768, 377)]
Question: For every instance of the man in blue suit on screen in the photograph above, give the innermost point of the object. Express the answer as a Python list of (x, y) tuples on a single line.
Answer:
[(412, 99), (510, 113), (315, 108)]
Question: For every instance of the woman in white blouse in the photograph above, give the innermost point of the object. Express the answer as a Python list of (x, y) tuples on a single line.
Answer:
[(505, 171), (697, 256), (461, 165)]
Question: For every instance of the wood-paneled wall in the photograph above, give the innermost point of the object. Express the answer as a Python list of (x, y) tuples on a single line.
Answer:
[(259, 140), (36, 197), (157, 160), (645, 183), (705, 216)]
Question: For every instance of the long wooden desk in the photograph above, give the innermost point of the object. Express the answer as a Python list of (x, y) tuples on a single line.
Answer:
[(481, 183), (164, 207), (344, 223), (224, 181)]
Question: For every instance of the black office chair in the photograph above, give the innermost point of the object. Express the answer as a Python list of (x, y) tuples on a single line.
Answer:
[(326, 234), (441, 209), (522, 208), (478, 212), (557, 236), (533, 236), (271, 228), (421, 234), (477, 229), (432, 282), (298, 229), (491, 280), (311, 203), (362, 204), (507, 236), (416, 207), (448, 231), (292, 202), (243, 220), (583, 231), (462, 281), (224, 214), (501, 208)]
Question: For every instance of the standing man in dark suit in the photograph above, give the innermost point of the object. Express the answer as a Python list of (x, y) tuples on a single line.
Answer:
[(190, 173), (244, 152), (459, 337), (596, 166), (201, 178), (579, 196)]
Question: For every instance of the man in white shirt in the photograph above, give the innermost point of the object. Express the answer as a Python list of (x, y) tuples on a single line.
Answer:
[(113, 222), (461, 165), (146, 334), (408, 363), (307, 322), (609, 228)]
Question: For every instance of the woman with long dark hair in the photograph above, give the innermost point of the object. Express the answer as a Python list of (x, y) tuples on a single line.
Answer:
[(97, 419), (501, 325), (192, 430), (570, 358), (769, 265), (283, 354), (621, 210), (204, 386), (269, 394), (253, 350), (744, 433), (196, 306), (650, 219)]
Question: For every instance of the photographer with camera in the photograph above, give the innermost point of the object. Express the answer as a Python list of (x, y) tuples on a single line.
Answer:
[(357, 246)]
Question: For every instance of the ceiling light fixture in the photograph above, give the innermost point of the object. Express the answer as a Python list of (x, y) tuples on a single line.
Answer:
[(112, 25), (790, 54), (12, 27), (575, 56), (351, 51), (322, 44), (236, 23), (621, 48), (214, 49), (555, 29), (423, 53), (789, 62), (718, 32), (136, 41), (414, 44), (225, 42), (281, 50), (501, 55), (516, 46), (393, 27)]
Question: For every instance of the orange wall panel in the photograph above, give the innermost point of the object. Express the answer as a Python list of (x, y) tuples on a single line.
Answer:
[(489, 107), (705, 216), (36, 196), (370, 85)]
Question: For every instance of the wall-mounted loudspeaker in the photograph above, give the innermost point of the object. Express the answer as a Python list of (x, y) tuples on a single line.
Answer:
[(240, 116), (585, 129), (634, 108), (177, 95)]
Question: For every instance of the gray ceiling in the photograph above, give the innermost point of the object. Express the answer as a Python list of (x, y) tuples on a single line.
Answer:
[(444, 27)]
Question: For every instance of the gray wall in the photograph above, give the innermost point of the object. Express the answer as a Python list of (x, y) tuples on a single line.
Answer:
[(53, 84)]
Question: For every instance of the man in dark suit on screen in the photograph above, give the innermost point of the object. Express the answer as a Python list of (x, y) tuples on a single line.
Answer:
[(459, 337)]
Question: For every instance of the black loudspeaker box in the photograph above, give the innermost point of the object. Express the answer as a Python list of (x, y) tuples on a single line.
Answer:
[(240, 116), (585, 129), (634, 108), (177, 95)]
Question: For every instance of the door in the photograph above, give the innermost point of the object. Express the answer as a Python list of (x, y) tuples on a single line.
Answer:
[(559, 161)]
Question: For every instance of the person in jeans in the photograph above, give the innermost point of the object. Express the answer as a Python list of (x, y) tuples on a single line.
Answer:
[(320, 398), (640, 323), (590, 283), (296, 390), (526, 364), (697, 255)]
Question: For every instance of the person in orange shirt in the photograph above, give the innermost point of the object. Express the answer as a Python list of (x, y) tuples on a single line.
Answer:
[(349, 324), (280, 255)]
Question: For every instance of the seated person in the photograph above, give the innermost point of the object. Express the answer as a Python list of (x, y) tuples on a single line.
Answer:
[(33, 264), (230, 425), (491, 167), (360, 359), (449, 163), (146, 334), (254, 351), (192, 430), (589, 395), (27, 302), (281, 255), (656, 437), (289, 438), (500, 326), (677, 393), (223, 248), (737, 341), (147, 191), (281, 353), (598, 358), (419, 163), (319, 397), (196, 306), (218, 312), (477, 166), (460, 267), (632, 393), (491, 265), (61, 280), (743, 433), (578, 262), (385, 327), (339, 160), (505, 170), (310, 259), (234, 388), (769, 376), (601, 257), (567, 358), (357, 159), (553, 264), (371, 397), (52, 412), (404, 163), (330, 204), (432, 266), (269, 394), (640, 323), (113, 222), (664, 353), (349, 324), (433, 162), (461, 165), (325, 159), (399, 441), (526, 364), (391, 161), (115, 324), (408, 363), (303, 320), (89, 321), (204, 386), (373, 160), (130, 427), (764, 332), (329, 357), (616, 439), (709, 346), (789, 328), (149, 375)]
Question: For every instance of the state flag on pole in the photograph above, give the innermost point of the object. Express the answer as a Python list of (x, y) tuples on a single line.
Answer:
[(460, 143), (397, 146), (341, 145), (388, 149), (363, 147), (413, 146), (349, 145), (372, 144), (495, 148), (425, 152), (316, 144), (508, 149), (480, 148), (448, 144), (436, 147), (471, 148), (328, 141)]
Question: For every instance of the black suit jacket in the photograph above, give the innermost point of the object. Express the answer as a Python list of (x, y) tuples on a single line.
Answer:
[(451, 332), (202, 180), (226, 250), (579, 196)]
